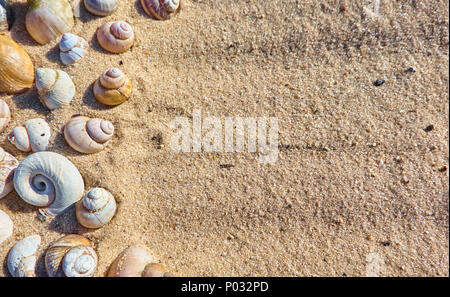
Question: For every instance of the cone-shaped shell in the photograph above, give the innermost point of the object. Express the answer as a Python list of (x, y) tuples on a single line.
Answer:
[(96, 208), (22, 258), (48, 19), (161, 9), (55, 87), (8, 165), (72, 48), (101, 7), (88, 135), (33, 135), (6, 226), (113, 87), (42, 179), (5, 115), (16, 68), (6, 16), (115, 37)]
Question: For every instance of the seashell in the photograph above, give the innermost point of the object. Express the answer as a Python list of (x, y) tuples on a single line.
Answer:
[(161, 9), (87, 135), (136, 261), (101, 7), (71, 256), (48, 19), (7, 166), (72, 48), (33, 135), (55, 87), (76, 7), (5, 115), (6, 16), (115, 37), (49, 180), (113, 87), (96, 208), (16, 68), (6, 226), (22, 258)]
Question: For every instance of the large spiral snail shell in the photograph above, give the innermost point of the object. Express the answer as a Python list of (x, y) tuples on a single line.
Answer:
[(16, 68), (5, 115), (22, 257), (113, 87), (101, 7), (48, 19), (7, 166), (87, 135), (161, 9), (48, 180), (71, 256), (115, 37), (96, 208), (55, 87), (6, 226), (6, 16), (72, 48), (33, 135), (136, 261)]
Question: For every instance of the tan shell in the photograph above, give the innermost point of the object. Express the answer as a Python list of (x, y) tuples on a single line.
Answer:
[(88, 135), (8, 165), (161, 9), (96, 208), (115, 37), (113, 87), (5, 115)]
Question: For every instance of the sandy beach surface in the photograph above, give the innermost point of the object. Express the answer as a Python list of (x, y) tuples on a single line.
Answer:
[(360, 186)]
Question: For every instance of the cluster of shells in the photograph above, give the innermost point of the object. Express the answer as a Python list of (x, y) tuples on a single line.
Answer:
[(49, 180)]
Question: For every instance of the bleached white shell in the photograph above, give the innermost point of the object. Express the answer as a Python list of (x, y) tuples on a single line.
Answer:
[(101, 7), (22, 257), (6, 226), (48, 180), (33, 135), (80, 262), (88, 135), (96, 209), (72, 48), (56, 89), (7, 166), (5, 115)]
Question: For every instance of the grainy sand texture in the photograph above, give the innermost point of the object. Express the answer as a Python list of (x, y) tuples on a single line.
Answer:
[(360, 186)]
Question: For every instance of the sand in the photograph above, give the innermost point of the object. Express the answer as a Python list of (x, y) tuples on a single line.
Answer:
[(359, 187)]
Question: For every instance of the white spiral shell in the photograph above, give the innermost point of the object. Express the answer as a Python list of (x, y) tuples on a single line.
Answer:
[(72, 48), (88, 135), (101, 7), (55, 87), (5, 115), (33, 135), (96, 209), (8, 165), (48, 180), (6, 226), (22, 258)]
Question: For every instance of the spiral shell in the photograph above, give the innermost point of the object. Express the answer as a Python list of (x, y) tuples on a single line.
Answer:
[(87, 135), (115, 37), (16, 68), (113, 87), (136, 261), (48, 19), (22, 258), (6, 16), (49, 180), (8, 165), (33, 135), (71, 256), (55, 87), (96, 208), (6, 226), (5, 115), (72, 48), (101, 7), (161, 9)]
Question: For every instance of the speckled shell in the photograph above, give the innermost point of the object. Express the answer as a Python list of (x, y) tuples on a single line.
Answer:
[(7, 166), (48, 19), (55, 87), (6, 16), (16, 68), (115, 37), (22, 258), (88, 135), (41, 179), (101, 7), (33, 135), (72, 48), (96, 208), (6, 226), (161, 9), (71, 256), (113, 87), (5, 115)]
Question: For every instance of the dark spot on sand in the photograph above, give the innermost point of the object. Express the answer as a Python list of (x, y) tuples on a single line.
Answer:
[(378, 82), (429, 128)]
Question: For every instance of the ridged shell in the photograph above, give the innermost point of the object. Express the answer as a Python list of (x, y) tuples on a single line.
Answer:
[(33, 135), (72, 48), (6, 226), (8, 165), (22, 258), (5, 115), (96, 208), (161, 9), (42, 179), (115, 37), (88, 135), (71, 256), (101, 7), (113, 87), (16, 68), (55, 87), (48, 19), (6, 16)]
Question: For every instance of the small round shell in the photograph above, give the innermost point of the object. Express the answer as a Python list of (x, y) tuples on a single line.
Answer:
[(115, 37), (33, 135), (22, 258), (161, 9), (55, 87), (6, 226), (5, 115), (113, 87), (96, 208), (8, 165), (6, 16), (72, 48), (88, 135), (101, 7), (41, 179)]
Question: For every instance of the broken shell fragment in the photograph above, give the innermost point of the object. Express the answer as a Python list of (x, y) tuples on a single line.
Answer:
[(6, 16), (6, 226), (7, 166), (22, 258), (33, 135), (5, 115)]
